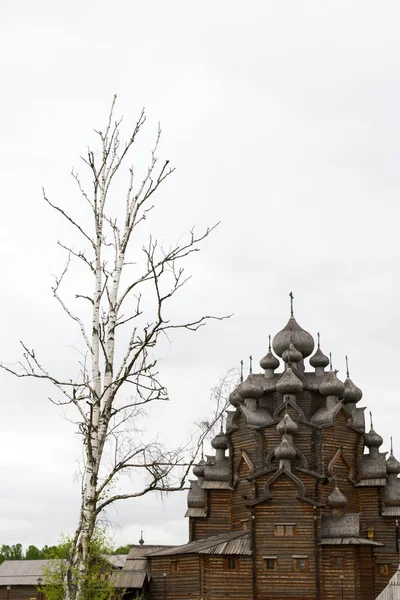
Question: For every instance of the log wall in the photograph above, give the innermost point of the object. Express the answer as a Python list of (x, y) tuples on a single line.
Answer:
[(178, 585)]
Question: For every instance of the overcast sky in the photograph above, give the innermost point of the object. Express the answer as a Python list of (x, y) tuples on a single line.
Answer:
[(282, 119)]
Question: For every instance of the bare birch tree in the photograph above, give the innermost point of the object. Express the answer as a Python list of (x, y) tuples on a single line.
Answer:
[(111, 360)]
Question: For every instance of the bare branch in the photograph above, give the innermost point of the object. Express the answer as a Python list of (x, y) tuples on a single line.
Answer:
[(70, 219)]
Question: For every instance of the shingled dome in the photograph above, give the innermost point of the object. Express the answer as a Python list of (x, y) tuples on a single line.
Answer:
[(220, 442), (198, 470), (269, 361), (373, 439), (331, 385), (287, 425), (250, 389), (292, 355), (285, 451), (319, 359), (301, 339), (352, 393), (336, 499), (289, 383), (392, 465), (235, 398)]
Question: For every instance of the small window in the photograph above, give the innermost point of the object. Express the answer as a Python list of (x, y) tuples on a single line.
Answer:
[(337, 562), (384, 569), (289, 530), (270, 564), (284, 530), (245, 523), (371, 533), (174, 566), (300, 564), (231, 563)]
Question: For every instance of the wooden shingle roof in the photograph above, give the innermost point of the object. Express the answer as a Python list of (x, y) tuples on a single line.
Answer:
[(231, 543)]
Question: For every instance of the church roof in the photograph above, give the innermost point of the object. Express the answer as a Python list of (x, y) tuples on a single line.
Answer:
[(233, 542)]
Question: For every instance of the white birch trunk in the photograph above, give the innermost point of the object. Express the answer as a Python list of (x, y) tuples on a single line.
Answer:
[(94, 393)]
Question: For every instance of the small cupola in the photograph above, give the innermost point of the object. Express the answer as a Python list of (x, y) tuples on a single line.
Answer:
[(391, 493), (235, 398), (392, 464), (319, 361), (292, 355), (250, 391), (331, 387), (289, 383), (336, 501), (372, 440), (287, 425), (285, 453), (269, 362), (220, 444), (198, 470), (352, 393), (292, 331)]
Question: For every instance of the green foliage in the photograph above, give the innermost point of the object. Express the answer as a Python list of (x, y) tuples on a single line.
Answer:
[(96, 583), (33, 553), (123, 549), (13, 552)]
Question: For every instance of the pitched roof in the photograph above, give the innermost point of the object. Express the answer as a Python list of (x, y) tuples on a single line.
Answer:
[(233, 542), (27, 572), (21, 572), (129, 579), (139, 551), (116, 560)]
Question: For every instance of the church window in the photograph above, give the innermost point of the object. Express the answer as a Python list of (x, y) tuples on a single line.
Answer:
[(300, 563), (337, 562), (284, 529), (384, 569), (231, 563), (270, 563), (174, 566)]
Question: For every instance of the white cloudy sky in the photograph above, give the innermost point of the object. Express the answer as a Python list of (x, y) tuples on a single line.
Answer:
[(282, 119)]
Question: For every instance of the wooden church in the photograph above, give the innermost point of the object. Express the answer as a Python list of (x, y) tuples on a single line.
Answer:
[(298, 502)]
